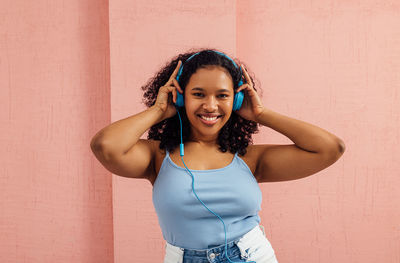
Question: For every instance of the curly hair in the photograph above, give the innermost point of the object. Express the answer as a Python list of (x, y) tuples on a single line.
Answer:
[(234, 136)]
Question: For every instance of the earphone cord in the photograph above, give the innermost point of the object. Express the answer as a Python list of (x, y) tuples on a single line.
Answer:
[(182, 153)]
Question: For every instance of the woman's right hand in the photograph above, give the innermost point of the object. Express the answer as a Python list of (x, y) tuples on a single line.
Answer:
[(164, 101)]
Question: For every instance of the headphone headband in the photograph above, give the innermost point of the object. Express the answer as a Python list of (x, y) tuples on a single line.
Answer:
[(238, 99)]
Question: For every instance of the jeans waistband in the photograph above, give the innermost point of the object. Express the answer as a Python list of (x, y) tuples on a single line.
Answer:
[(246, 238)]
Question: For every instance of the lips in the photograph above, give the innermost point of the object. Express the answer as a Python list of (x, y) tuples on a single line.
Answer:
[(209, 119), (209, 115)]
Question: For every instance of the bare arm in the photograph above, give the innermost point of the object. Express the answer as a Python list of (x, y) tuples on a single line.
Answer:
[(119, 147), (120, 150), (120, 136), (314, 149)]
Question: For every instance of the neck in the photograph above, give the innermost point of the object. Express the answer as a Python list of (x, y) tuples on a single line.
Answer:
[(209, 140), (206, 142)]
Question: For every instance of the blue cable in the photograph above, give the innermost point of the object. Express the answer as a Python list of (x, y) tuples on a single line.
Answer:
[(182, 153)]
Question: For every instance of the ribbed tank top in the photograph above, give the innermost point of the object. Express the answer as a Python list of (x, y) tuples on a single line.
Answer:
[(232, 192)]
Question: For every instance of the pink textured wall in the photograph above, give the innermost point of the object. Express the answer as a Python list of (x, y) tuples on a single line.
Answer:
[(67, 69), (334, 64), (56, 202)]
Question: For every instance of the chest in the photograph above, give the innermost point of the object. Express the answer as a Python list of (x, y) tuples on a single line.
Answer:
[(203, 161), (231, 191)]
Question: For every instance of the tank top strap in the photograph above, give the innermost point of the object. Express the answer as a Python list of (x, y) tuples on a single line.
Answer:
[(235, 157)]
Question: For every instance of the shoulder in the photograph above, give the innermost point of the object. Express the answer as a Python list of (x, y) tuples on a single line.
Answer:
[(251, 157), (157, 152), (155, 147), (155, 144)]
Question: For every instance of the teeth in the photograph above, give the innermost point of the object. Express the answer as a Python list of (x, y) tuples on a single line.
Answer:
[(209, 118)]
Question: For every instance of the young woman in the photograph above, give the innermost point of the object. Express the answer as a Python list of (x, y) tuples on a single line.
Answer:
[(200, 159)]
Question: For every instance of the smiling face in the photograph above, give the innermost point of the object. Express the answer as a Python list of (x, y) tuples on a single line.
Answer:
[(208, 101)]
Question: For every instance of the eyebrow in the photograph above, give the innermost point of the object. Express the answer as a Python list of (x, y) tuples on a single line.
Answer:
[(217, 90)]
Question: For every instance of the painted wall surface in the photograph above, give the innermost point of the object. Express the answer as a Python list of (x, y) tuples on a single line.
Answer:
[(68, 69), (334, 64), (56, 201)]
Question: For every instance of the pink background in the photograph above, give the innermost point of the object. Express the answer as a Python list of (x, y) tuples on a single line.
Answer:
[(69, 68)]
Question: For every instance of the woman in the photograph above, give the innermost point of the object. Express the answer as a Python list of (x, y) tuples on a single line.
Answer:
[(207, 203)]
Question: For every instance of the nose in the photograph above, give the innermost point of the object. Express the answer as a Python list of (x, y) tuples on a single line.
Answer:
[(210, 104)]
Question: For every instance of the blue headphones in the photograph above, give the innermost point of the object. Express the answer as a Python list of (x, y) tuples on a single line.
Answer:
[(237, 101)]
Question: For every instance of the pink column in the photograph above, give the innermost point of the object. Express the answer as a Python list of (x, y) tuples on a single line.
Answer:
[(56, 201)]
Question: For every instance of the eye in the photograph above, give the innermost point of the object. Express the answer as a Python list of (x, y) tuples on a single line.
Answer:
[(225, 95), (195, 94)]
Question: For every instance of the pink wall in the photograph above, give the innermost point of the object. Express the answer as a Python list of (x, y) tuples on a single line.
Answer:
[(56, 202), (334, 64), (65, 67)]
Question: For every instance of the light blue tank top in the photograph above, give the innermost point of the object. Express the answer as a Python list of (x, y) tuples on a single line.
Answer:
[(232, 192)]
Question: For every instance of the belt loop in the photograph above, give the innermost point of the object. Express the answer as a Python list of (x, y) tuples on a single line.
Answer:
[(263, 230)]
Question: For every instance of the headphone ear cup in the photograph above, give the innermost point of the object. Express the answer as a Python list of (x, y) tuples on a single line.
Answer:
[(238, 100), (179, 99)]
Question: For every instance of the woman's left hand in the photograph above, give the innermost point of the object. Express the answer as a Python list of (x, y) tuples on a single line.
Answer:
[(252, 106)]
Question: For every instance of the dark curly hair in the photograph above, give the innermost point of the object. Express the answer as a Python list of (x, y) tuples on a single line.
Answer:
[(234, 136)]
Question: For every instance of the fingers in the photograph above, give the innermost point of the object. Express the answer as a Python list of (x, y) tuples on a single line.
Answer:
[(174, 95), (248, 80), (171, 89), (247, 77), (172, 80), (244, 86), (175, 73), (172, 84), (176, 84)]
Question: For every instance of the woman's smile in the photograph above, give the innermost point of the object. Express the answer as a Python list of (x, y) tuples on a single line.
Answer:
[(208, 101), (209, 120)]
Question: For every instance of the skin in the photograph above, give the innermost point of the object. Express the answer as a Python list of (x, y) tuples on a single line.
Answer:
[(208, 100), (212, 100), (313, 150), (268, 162), (201, 151)]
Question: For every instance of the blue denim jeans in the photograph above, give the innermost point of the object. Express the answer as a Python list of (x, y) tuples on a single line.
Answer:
[(251, 247)]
